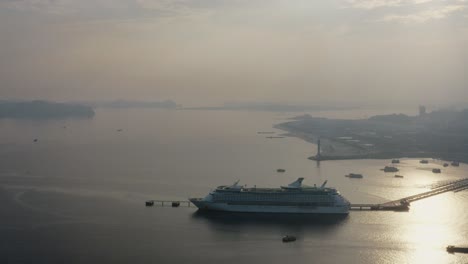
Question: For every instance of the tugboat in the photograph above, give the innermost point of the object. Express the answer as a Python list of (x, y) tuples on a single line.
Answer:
[(454, 249), (402, 207), (289, 238), (436, 171), (354, 176), (390, 169)]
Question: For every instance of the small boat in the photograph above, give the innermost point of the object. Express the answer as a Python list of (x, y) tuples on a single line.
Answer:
[(453, 249), (175, 204), (436, 171), (398, 176), (149, 203), (395, 161), (35, 140), (455, 163), (446, 164), (424, 161), (119, 130), (403, 206), (390, 169), (289, 238), (280, 170), (354, 176)]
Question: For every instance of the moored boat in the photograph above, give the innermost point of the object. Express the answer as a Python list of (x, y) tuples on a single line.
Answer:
[(455, 249), (390, 169), (354, 175)]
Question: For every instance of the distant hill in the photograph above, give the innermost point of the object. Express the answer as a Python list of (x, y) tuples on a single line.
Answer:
[(136, 104), (43, 110), (272, 107)]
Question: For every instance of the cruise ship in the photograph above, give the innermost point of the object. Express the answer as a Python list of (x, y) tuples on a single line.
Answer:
[(293, 198)]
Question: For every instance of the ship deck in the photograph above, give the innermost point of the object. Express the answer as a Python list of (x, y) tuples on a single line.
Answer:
[(281, 190)]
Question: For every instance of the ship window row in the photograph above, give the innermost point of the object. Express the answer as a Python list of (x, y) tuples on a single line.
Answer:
[(280, 203), (236, 197)]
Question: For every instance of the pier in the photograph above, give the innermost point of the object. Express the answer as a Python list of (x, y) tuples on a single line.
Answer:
[(396, 205), (171, 203)]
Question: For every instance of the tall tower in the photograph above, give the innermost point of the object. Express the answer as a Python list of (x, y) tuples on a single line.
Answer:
[(422, 110), (317, 157)]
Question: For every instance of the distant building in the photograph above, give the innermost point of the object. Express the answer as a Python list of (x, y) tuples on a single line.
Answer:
[(422, 110)]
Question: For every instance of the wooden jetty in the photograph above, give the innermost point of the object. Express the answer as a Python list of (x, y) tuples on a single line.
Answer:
[(397, 205)]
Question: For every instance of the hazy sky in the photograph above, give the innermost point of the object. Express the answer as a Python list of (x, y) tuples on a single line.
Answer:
[(209, 51)]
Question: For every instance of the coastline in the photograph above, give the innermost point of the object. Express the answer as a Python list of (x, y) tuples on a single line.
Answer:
[(334, 150)]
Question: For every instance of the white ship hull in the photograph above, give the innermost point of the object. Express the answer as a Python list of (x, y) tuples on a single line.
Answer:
[(212, 206)]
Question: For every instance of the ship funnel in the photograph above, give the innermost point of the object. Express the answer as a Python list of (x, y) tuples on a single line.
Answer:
[(324, 183), (297, 183), (235, 185)]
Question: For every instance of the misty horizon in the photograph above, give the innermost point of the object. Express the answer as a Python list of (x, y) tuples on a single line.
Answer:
[(208, 52)]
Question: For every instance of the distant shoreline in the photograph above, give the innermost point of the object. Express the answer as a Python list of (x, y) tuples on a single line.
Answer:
[(353, 153), (43, 110)]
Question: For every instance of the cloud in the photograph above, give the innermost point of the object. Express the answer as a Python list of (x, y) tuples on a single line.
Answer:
[(63, 6), (123, 9), (372, 4), (408, 11), (143, 4), (57, 6), (424, 16)]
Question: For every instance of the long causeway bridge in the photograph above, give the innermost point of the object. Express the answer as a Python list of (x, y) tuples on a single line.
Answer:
[(403, 203), (397, 205)]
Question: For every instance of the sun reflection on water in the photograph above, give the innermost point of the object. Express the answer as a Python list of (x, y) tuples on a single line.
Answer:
[(430, 228)]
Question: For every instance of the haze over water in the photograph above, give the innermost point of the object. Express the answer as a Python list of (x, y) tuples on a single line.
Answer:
[(77, 194)]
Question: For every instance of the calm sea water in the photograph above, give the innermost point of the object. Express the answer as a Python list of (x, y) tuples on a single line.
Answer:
[(77, 194)]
